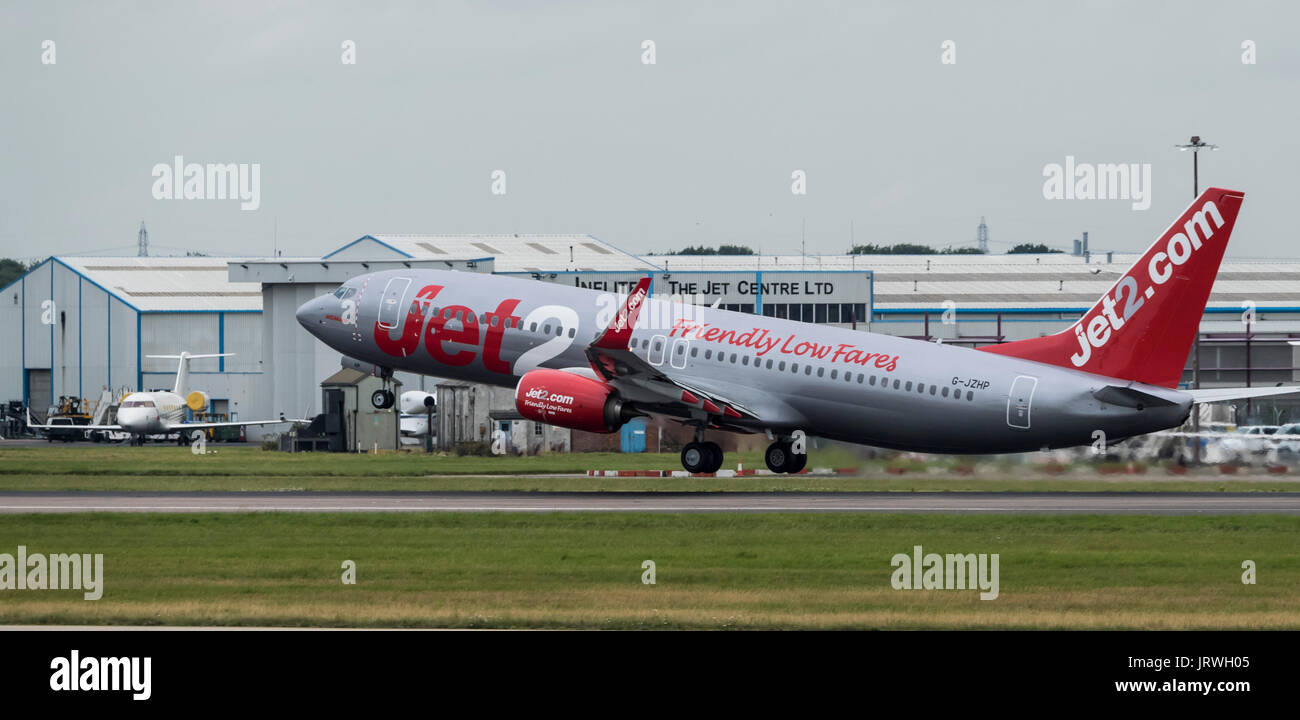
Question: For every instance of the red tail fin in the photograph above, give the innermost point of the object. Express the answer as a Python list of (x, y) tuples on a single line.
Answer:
[(1143, 328), (615, 336)]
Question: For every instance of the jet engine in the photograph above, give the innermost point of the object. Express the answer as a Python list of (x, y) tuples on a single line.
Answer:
[(570, 401)]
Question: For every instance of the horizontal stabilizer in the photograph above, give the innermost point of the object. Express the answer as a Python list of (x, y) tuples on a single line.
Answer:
[(1129, 397), (1206, 395)]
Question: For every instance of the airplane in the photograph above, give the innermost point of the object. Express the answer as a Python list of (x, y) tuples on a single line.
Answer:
[(161, 412), (416, 406), (1115, 371)]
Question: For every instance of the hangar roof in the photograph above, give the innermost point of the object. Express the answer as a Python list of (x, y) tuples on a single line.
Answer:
[(901, 282), (154, 284), (513, 253)]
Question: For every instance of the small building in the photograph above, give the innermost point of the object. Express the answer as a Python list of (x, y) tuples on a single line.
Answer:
[(352, 424), (469, 413)]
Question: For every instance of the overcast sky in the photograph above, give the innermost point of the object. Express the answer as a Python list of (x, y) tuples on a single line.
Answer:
[(697, 148)]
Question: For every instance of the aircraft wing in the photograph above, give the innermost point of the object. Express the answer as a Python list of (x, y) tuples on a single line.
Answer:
[(1205, 395), (658, 387), (234, 423)]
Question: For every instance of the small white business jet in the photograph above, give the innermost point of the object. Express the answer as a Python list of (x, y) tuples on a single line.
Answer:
[(161, 412)]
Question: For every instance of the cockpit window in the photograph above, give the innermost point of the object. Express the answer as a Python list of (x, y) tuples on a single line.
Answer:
[(138, 403)]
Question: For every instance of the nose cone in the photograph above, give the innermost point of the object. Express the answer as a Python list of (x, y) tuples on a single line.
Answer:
[(137, 419), (310, 315)]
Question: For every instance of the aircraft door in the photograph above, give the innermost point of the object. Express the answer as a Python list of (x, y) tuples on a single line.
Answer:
[(1019, 401), (390, 306), (658, 346)]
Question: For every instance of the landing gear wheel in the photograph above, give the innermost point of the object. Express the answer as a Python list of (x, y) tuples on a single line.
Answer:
[(695, 457), (801, 461), (715, 457), (780, 459), (382, 399)]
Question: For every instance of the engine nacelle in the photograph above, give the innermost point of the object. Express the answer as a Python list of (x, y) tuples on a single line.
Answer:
[(417, 402), (197, 400), (570, 401), (372, 369)]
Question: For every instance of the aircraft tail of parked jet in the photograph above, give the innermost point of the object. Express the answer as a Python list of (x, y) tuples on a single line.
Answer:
[(1143, 328), (183, 371)]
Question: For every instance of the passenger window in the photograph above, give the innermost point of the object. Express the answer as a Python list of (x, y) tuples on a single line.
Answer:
[(835, 374), (821, 371), (532, 327), (945, 391), (932, 389), (908, 386), (769, 364), (572, 332), (781, 366), (970, 395), (871, 380), (896, 383), (708, 354), (744, 360)]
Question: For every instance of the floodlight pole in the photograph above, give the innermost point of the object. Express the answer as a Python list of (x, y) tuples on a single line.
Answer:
[(1196, 145)]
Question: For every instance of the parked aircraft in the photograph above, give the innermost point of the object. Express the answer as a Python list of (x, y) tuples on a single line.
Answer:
[(578, 359), (161, 412)]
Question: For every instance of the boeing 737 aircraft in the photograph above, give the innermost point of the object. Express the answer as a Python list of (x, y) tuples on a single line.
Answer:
[(580, 361), (161, 412)]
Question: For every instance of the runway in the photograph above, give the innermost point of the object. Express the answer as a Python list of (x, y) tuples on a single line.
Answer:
[(1171, 503)]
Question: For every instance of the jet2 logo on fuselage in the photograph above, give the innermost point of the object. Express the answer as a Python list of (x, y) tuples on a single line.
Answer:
[(1097, 331)]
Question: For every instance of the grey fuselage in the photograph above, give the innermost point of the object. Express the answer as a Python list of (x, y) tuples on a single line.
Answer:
[(829, 382)]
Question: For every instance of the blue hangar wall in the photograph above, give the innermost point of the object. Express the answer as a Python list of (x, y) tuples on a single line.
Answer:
[(65, 334)]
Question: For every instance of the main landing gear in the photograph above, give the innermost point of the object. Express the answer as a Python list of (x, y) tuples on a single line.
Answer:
[(781, 458), (701, 456)]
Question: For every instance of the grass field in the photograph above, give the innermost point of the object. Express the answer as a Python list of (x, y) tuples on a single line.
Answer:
[(713, 571), (97, 467)]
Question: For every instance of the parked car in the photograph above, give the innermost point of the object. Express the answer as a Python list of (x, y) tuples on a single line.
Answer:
[(1290, 442), (1249, 440)]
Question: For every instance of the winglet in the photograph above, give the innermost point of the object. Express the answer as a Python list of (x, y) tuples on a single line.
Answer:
[(615, 336)]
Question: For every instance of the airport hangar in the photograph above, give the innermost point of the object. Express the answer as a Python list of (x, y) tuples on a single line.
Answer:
[(79, 324)]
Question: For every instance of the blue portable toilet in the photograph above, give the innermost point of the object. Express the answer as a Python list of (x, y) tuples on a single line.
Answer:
[(631, 437)]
